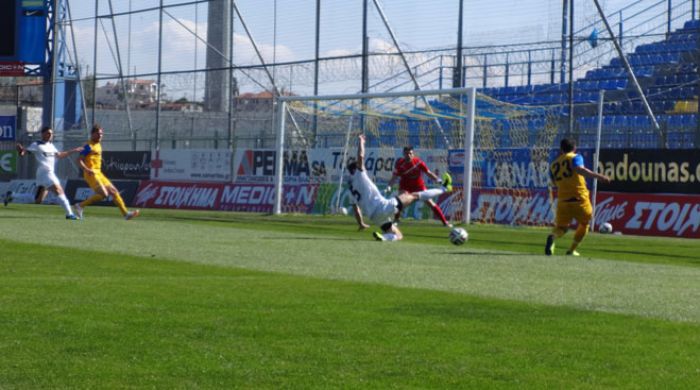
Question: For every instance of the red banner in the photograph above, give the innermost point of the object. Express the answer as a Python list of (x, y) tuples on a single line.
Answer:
[(639, 214), (519, 206), (650, 214), (197, 196), (228, 197), (11, 69)]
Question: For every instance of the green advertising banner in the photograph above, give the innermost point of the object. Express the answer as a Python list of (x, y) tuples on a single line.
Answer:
[(8, 162)]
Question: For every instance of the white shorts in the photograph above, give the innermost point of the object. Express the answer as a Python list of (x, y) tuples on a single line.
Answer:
[(384, 211), (46, 179)]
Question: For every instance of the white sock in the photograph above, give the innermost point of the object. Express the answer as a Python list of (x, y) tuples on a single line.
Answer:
[(65, 204), (431, 193), (390, 236)]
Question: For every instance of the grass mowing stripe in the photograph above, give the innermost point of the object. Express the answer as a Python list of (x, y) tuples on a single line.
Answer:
[(657, 250), (90, 320), (651, 290)]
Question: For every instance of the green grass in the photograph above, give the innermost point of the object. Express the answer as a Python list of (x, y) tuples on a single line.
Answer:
[(220, 300)]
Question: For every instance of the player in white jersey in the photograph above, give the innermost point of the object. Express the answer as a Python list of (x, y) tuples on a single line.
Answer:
[(379, 210), (46, 153)]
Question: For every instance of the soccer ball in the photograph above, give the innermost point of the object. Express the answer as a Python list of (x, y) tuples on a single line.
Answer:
[(458, 236), (605, 228), (343, 211)]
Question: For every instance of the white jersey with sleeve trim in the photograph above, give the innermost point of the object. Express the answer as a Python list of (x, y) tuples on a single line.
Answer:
[(45, 154), (367, 196)]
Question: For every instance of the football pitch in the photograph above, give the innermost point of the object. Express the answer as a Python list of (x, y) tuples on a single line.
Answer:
[(181, 299)]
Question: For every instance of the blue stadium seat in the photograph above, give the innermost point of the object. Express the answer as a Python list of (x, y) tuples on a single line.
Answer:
[(672, 57), (388, 138), (688, 45), (643, 122), (688, 67), (674, 140), (607, 84), (689, 121), (674, 121), (687, 77), (691, 24), (637, 106), (592, 74)]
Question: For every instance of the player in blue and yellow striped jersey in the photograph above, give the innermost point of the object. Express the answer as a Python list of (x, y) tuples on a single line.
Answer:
[(91, 162), (573, 200)]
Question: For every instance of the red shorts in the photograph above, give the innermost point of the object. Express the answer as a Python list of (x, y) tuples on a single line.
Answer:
[(412, 187)]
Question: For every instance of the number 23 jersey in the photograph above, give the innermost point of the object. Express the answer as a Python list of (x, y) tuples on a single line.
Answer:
[(570, 185)]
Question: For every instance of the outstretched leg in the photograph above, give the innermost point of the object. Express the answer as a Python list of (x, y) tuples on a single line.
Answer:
[(117, 197), (58, 190)]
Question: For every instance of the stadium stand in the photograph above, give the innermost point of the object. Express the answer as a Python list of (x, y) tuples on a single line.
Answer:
[(668, 73)]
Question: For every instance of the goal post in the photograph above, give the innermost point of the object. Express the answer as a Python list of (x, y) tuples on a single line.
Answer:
[(497, 152), (435, 120)]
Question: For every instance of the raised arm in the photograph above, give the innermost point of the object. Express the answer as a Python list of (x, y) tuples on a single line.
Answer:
[(361, 152)]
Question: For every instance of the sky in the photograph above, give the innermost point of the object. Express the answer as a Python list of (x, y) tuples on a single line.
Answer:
[(284, 30)]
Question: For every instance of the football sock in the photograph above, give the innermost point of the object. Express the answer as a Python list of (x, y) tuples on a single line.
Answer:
[(65, 204), (120, 203), (438, 213), (93, 199), (431, 193), (581, 232)]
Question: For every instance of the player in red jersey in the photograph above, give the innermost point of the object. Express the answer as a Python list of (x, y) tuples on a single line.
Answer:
[(410, 170)]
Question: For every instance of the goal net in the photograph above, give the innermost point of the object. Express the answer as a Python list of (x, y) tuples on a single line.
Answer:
[(498, 151), (513, 145)]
